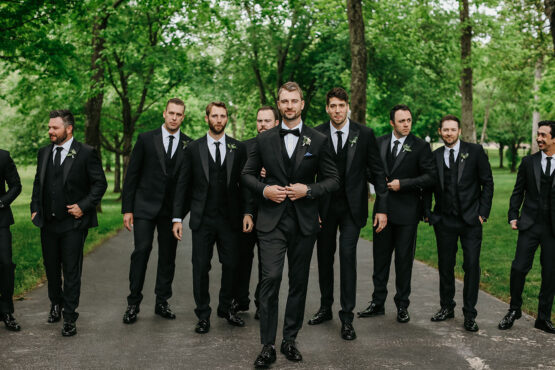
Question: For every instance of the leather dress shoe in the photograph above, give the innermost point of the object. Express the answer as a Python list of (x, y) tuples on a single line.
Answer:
[(130, 315), (443, 314), (509, 319), (545, 325), (163, 309), (290, 351), (231, 317), (257, 314), (470, 324), (202, 327), (347, 331), (372, 310), (10, 322), (266, 357), (69, 329), (403, 315), (323, 315), (237, 307), (55, 313)]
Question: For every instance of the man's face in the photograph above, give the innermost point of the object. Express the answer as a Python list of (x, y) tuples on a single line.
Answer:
[(337, 109), (545, 140), (265, 120), (59, 133), (290, 105), (217, 120), (173, 116), (449, 132), (402, 124)]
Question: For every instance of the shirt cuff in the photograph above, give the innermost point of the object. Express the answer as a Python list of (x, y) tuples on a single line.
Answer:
[(174, 220), (264, 195)]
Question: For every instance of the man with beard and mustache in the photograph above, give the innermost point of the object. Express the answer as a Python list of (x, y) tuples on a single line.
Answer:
[(210, 172), (69, 184), (463, 196), (287, 216), (532, 213)]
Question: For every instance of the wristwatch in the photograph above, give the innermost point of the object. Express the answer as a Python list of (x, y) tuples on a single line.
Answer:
[(484, 219), (308, 192)]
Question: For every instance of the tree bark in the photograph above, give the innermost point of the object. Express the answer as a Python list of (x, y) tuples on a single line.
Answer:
[(550, 13), (536, 115), (467, 117), (486, 119), (117, 174), (514, 150), (501, 150), (359, 76)]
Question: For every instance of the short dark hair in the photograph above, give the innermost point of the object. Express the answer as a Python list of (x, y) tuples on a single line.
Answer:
[(220, 104), (339, 93), (551, 124), (449, 117), (175, 101), (291, 86), (65, 115), (269, 107), (396, 108)]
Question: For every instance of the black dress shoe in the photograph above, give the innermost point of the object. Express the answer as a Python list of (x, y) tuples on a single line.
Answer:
[(55, 313), (403, 315), (443, 314), (10, 322), (545, 325), (202, 327), (266, 357), (323, 315), (290, 351), (233, 319), (163, 309), (372, 310), (130, 315), (347, 331), (470, 324), (237, 307), (257, 314), (509, 319), (69, 329)]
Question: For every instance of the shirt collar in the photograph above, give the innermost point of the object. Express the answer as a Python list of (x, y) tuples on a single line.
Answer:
[(344, 129), (401, 140), (211, 140), (456, 147), (299, 126), (67, 145), (166, 133), (544, 156)]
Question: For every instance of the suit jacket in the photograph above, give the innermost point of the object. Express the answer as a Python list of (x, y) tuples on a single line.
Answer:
[(474, 184), (414, 168), (10, 177), (146, 181), (194, 179), (83, 180), (363, 165), (527, 189), (311, 158)]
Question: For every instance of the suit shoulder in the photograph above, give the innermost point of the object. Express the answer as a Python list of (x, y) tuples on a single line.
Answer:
[(185, 137), (439, 150), (315, 133), (4, 153), (321, 127)]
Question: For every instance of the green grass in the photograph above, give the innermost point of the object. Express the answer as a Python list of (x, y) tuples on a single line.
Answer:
[(27, 253)]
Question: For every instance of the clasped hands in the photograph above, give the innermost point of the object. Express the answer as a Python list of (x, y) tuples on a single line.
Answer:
[(278, 193)]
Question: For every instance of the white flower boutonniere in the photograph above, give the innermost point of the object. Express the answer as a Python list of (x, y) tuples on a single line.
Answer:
[(231, 147), (464, 156), (407, 148), (72, 153), (353, 141), (185, 143), (306, 141)]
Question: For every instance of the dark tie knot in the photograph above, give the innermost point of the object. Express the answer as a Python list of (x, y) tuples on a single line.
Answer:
[(452, 151), (339, 133), (284, 132), (396, 142), (60, 148), (217, 143), (171, 137)]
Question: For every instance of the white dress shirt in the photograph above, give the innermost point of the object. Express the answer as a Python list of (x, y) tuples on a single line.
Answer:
[(166, 140), (334, 137), (447, 150), (212, 147), (291, 140), (544, 163), (64, 152), (400, 146)]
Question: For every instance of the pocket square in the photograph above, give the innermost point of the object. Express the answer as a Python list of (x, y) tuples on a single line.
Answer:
[(308, 154)]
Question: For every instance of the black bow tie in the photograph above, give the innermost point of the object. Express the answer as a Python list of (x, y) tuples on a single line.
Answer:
[(284, 132)]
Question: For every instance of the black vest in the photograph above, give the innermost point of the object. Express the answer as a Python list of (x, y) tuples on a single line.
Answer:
[(340, 160), (216, 199), (450, 202), (167, 203), (289, 164), (545, 194), (54, 201)]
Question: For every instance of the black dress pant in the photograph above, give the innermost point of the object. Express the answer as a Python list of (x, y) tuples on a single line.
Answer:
[(143, 231), (286, 238), (7, 271), (400, 239), (213, 230), (338, 216), (527, 243), (448, 231), (247, 241), (62, 252)]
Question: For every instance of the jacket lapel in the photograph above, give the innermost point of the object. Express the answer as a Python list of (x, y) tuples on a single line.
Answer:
[(70, 159), (44, 164), (384, 146), (462, 162), (159, 146), (439, 162), (537, 164), (277, 139), (180, 151), (402, 153), (301, 149), (203, 154), (351, 148), (230, 157)]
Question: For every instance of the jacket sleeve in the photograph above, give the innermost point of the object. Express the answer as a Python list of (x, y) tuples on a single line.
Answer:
[(427, 170), (518, 191), (13, 181), (376, 173), (132, 176), (97, 181), (486, 181), (329, 180), (182, 186), (35, 196)]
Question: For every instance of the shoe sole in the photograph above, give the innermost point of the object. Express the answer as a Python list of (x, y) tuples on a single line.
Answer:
[(321, 321), (370, 315), (165, 317), (440, 320), (128, 322)]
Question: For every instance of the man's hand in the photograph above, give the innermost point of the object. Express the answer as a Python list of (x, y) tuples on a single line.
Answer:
[(128, 221), (481, 220), (177, 230), (74, 210), (394, 185), (296, 191), (248, 223), (514, 225), (33, 215), (275, 193), (263, 173), (381, 220)]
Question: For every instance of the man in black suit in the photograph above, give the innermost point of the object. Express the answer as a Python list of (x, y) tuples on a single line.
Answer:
[(409, 169), (210, 172), (463, 195), (147, 201), (287, 218), (10, 177), (266, 118), (534, 198), (69, 184), (356, 156)]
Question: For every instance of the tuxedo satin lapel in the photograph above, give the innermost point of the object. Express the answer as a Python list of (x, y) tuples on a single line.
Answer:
[(439, 163), (301, 149), (383, 154), (230, 157), (159, 146), (203, 154), (537, 164), (462, 150), (68, 162), (277, 139), (402, 153), (179, 152), (351, 148)]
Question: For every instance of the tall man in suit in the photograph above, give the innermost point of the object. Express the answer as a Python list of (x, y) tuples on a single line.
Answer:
[(10, 177), (210, 172), (532, 213), (287, 219), (147, 201), (409, 169), (69, 184), (463, 195), (356, 156)]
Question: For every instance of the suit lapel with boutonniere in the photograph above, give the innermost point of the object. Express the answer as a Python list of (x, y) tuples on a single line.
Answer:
[(463, 156), (303, 145), (439, 164), (204, 152), (383, 155), (352, 140), (159, 147), (537, 164), (180, 152), (405, 149), (231, 148), (70, 159)]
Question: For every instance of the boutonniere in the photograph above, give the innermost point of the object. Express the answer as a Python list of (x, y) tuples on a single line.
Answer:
[(185, 143), (464, 156), (72, 153), (306, 141), (231, 147), (353, 141), (407, 148)]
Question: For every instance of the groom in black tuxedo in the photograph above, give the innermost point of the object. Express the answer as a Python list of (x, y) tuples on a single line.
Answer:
[(147, 202), (287, 219), (463, 195)]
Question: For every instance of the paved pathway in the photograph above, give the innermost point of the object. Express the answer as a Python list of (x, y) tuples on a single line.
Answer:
[(103, 341)]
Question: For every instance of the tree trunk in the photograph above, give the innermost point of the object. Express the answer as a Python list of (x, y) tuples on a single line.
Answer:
[(467, 118), (501, 150), (358, 61), (117, 174), (486, 119), (108, 167), (514, 151), (550, 13), (536, 115)]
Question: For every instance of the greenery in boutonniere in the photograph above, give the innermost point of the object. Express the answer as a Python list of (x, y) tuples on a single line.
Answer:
[(72, 153), (464, 156), (407, 148), (353, 141), (306, 141), (231, 147), (185, 143)]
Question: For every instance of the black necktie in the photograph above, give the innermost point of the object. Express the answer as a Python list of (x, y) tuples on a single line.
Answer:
[(170, 148), (284, 132), (394, 150), (451, 158), (58, 157), (339, 141), (548, 166), (218, 156)]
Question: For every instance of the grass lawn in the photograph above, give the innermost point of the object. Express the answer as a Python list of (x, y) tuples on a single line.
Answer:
[(27, 253)]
